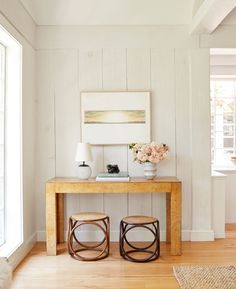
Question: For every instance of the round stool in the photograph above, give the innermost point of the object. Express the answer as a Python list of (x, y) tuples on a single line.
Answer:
[(75, 247), (127, 249)]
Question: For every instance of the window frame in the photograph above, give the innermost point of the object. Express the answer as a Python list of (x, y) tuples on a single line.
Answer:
[(3, 95), (226, 163), (13, 145)]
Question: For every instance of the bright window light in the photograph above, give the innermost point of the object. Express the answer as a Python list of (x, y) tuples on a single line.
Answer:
[(11, 213), (2, 140), (223, 121)]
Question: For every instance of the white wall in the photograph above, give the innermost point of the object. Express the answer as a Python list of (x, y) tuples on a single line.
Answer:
[(230, 216), (12, 13), (200, 144), (218, 203), (230, 196), (164, 60)]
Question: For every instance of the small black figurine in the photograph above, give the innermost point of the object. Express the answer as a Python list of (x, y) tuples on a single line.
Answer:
[(113, 169)]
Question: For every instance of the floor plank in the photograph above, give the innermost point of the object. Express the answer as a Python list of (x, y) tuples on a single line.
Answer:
[(38, 271), (230, 231)]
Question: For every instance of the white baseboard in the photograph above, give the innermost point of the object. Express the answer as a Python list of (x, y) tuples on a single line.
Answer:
[(86, 236), (202, 235), (41, 236), (220, 235), (137, 236), (114, 235), (19, 254), (186, 235)]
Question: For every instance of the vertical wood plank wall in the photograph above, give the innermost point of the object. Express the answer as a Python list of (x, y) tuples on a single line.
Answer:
[(200, 115), (63, 73)]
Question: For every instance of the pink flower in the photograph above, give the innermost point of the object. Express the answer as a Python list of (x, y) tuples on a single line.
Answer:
[(152, 152)]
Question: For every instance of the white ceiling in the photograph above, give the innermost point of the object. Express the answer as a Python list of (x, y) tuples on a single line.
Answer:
[(231, 18), (110, 12)]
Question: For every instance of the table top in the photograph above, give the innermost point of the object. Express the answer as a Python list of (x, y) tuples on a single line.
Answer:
[(132, 180)]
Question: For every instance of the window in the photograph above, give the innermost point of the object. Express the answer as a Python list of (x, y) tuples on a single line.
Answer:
[(11, 213), (2, 133), (223, 120)]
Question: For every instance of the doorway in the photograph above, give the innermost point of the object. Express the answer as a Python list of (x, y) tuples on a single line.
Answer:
[(223, 127)]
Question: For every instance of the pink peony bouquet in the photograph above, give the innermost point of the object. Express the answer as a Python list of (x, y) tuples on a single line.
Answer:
[(152, 152)]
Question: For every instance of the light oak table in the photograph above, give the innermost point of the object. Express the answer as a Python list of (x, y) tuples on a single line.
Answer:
[(57, 187)]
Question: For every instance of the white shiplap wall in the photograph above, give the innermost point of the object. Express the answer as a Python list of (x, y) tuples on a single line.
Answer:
[(69, 61)]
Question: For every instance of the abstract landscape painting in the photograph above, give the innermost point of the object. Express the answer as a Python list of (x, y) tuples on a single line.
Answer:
[(115, 117)]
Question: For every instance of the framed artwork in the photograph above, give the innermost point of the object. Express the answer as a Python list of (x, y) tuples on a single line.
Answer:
[(115, 117)]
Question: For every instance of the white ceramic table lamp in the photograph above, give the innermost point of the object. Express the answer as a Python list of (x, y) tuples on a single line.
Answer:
[(83, 154)]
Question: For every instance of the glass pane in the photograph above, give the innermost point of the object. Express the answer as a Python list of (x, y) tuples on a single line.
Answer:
[(2, 237), (228, 154), (223, 118), (1, 127), (228, 142), (219, 120), (219, 156), (219, 139), (225, 106), (219, 106), (2, 192), (228, 118), (228, 105), (1, 161), (1, 211), (224, 88), (2, 76), (228, 130)]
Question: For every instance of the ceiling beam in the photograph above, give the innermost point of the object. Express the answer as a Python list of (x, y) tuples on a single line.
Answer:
[(210, 14), (28, 5)]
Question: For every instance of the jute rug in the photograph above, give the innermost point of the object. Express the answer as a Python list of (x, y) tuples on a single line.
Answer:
[(206, 277)]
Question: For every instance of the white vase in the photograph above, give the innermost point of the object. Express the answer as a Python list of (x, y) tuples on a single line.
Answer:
[(150, 170), (84, 172)]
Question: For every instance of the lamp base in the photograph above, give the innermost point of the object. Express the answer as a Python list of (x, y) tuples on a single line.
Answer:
[(84, 172)]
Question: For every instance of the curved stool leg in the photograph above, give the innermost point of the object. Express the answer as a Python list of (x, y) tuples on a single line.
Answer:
[(127, 248), (102, 247)]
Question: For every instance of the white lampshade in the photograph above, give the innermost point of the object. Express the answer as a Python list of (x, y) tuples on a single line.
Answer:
[(83, 152)]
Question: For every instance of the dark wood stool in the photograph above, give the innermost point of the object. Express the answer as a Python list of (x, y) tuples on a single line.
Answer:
[(75, 247), (127, 248)]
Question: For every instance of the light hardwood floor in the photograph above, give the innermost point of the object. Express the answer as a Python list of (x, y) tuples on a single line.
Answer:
[(57, 272), (230, 231)]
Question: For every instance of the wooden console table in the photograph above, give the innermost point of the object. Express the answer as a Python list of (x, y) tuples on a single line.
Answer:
[(57, 187)]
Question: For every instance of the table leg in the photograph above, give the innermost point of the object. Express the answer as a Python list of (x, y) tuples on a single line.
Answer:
[(60, 218), (168, 218), (51, 220), (176, 219)]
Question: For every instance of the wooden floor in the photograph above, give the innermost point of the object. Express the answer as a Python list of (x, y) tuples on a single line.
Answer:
[(39, 271), (230, 231)]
